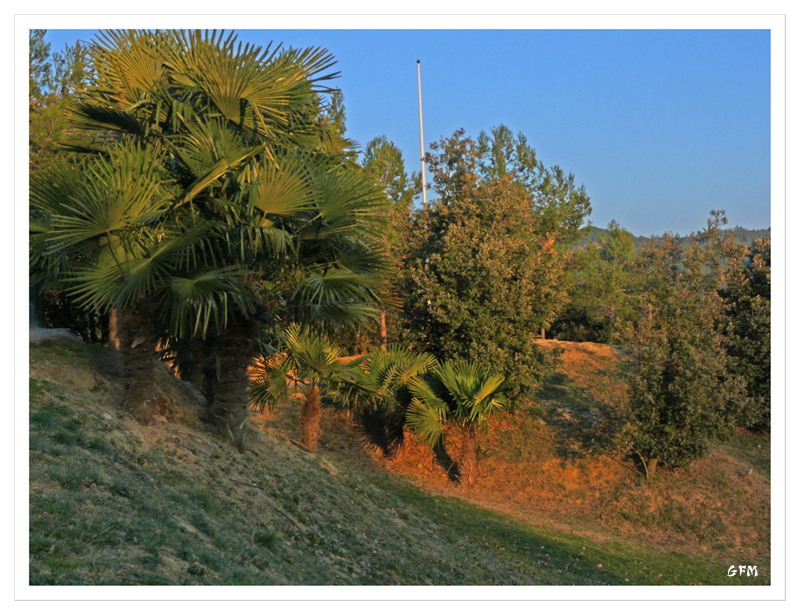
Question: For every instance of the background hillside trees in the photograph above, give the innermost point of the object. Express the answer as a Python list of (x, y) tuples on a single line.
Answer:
[(55, 77), (599, 282), (483, 274)]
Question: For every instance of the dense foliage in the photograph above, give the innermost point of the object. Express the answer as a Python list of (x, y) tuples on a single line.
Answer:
[(212, 197), (599, 280), (747, 303), (54, 79), (482, 276), (684, 390)]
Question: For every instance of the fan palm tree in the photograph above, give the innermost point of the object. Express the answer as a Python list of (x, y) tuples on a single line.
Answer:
[(252, 186), (375, 389), (100, 231), (308, 361), (463, 394)]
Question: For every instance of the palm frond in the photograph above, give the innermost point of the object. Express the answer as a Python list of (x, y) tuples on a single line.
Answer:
[(461, 391), (426, 421), (192, 302), (281, 189), (270, 382), (113, 282), (100, 118)]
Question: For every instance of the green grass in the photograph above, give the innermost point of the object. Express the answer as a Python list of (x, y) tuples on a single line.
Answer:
[(105, 511), (753, 449)]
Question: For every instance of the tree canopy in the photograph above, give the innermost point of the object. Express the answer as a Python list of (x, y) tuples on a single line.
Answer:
[(683, 391), (484, 273)]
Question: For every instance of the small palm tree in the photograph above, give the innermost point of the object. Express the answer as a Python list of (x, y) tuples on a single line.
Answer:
[(464, 394), (375, 389), (307, 360)]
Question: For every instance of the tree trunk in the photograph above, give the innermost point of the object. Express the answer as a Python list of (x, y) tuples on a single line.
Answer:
[(468, 464), (92, 320), (383, 330), (209, 371), (135, 334), (309, 420), (113, 331), (233, 353), (188, 360), (36, 306)]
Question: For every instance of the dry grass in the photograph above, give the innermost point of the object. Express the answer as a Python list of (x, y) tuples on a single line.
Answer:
[(545, 463)]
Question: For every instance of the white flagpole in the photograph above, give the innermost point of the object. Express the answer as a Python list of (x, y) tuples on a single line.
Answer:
[(421, 139)]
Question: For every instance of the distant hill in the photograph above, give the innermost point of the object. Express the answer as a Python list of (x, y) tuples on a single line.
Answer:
[(745, 236)]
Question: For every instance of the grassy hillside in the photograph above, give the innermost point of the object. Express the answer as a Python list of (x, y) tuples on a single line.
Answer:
[(113, 502)]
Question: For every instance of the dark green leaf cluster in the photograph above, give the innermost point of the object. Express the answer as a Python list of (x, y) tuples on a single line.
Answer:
[(375, 390), (747, 305), (209, 171), (463, 393), (483, 275)]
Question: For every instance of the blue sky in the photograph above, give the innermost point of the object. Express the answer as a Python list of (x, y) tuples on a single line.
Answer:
[(661, 126)]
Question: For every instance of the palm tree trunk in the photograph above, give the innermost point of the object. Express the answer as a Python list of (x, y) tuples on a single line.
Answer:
[(383, 330), (113, 330), (36, 306), (136, 337), (188, 359), (468, 465), (233, 353), (309, 420)]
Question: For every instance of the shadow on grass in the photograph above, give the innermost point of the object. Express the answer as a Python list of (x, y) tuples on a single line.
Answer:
[(582, 421), (447, 463)]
